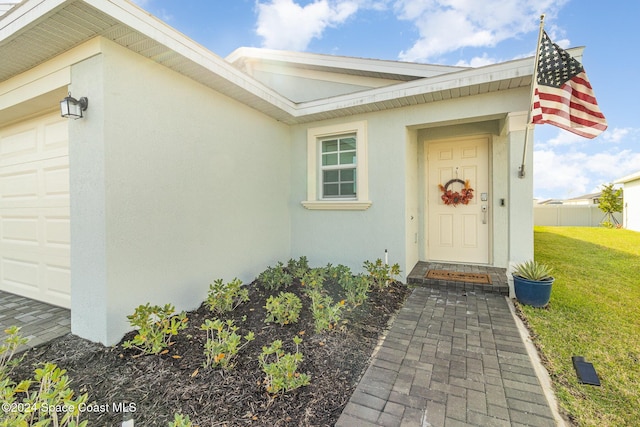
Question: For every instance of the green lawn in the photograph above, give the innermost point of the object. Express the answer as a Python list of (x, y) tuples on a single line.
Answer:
[(594, 312)]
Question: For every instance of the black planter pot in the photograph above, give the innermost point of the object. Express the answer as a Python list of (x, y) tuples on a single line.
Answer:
[(535, 293)]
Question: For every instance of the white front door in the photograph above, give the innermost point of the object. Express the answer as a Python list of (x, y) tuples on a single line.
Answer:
[(458, 232)]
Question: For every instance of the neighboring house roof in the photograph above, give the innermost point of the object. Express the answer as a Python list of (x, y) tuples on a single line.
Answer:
[(550, 202), (628, 178), (589, 196), (37, 30)]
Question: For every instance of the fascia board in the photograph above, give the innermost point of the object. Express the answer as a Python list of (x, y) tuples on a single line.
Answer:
[(24, 14), (139, 20), (490, 73), (424, 86), (628, 178)]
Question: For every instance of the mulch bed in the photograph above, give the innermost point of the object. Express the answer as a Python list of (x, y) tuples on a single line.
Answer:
[(161, 385)]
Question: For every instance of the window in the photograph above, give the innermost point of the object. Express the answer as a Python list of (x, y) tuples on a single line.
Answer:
[(337, 167)]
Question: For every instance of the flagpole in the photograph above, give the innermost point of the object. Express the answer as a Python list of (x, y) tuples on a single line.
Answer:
[(531, 96)]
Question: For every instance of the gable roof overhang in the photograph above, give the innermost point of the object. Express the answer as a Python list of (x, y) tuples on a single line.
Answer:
[(244, 57), (37, 30), (628, 178)]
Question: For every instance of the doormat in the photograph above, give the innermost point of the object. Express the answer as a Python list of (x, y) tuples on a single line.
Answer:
[(459, 277)]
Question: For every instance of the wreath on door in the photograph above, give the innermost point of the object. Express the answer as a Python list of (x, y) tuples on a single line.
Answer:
[(454, 198)]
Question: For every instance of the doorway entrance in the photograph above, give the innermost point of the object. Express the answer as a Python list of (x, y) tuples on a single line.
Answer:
[(457, 229)]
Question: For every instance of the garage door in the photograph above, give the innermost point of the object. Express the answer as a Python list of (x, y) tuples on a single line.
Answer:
[(34, 209)]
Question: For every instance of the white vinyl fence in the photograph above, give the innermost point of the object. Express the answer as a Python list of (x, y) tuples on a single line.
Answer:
[(570, 215)]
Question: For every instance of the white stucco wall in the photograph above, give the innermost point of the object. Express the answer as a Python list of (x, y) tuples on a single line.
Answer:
[(351, 237), (631, 202), (520, 190), (172, 186), (394, 141)]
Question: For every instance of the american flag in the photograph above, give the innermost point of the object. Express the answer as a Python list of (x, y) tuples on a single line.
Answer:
[(563, 95)]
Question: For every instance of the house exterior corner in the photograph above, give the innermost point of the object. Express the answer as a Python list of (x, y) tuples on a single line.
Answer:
[(170, 191)]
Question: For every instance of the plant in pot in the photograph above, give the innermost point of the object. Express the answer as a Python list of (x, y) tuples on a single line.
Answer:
[(532, 283)]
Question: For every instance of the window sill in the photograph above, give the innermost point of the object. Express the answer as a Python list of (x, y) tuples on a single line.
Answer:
[(337, 205)]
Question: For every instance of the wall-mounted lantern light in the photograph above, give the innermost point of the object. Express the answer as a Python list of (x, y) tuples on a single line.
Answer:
[(72, 108)]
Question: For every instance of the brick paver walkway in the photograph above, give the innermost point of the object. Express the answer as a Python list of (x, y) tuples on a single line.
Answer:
[(38, 321), (451, 358)]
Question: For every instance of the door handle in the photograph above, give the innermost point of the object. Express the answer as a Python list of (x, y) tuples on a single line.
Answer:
[(485, 208)]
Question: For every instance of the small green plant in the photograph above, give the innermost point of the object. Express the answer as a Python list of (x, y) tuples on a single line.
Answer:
[(335, 272), (326, 314), (51, 390), (275, 278), (380, 273), (8, 348), (223, 344), (298, 268), (224, 297), (283, 309), (532, 270), (356, 288), (156, 325), (180, 420), (313, 279), (282, 373)]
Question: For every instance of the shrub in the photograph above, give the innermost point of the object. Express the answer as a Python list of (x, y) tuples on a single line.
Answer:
[(281, 374), (326, 314), (313, 279), (356, 288), (298, 268), (180, 420), (224, 297), (275, 278), (156, 325), (223, 343), (8, 348), (335, 272), (283, 309), (380, 273), (51, 390)]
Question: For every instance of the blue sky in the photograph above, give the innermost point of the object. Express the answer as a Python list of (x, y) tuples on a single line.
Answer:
[(456, 32)]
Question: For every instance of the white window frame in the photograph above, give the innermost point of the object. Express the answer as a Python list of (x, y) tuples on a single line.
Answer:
[(314, 170)]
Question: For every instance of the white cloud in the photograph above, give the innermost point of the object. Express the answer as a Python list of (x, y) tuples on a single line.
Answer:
[(447, 25), (556, 174), (284, 24), (564, 175), (478, 61), (617, 135), (565, 138)]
